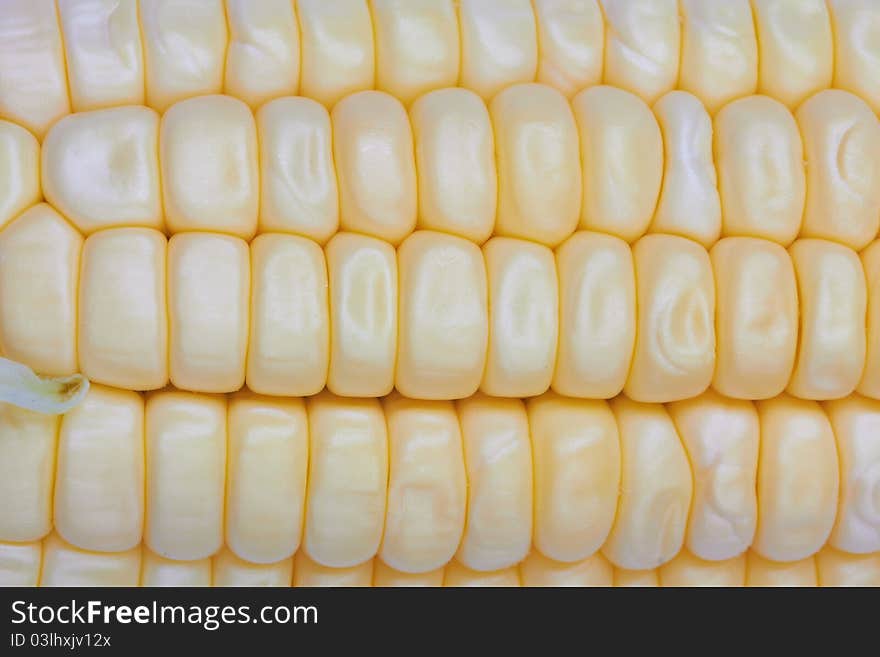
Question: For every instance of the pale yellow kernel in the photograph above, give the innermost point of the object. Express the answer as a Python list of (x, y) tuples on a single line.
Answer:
[(455, 160), (642, 46), (538, 570), (266, 472), (656, 487), (721, 437), (348, 480), (427, 489), (498, 463), (375, 166), (289, 341), (99, 479), (798, 479), (674, 354), (622, 161), (39, 273), (577, 475), (362, 274), (308, 573), (597, 315), (104, 53), (262, 60), (523, 317), (457, 575), (417, 46), (499, 44), (184, 49), (337, 50), (444, 317), (28, 442)]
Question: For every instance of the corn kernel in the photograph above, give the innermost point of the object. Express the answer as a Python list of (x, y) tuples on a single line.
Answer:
[(362, 273), (622, 158), (208, 296), (571, 41), (798, 479), (538, 570), (19, 171), (763, 572), (65, 565), (39, 270), (417, 46), (427, 488), (856, 424), (385, 576), (656, 487), (159, 571), (33, 75), (576, 452), (229, 570), (298, 192), (642, 46), (28, 442), (184, 49), (455, 160), (444, 323), (186, 473), (266, 472), (674, 354), (842, 146), (719, 51), (636, 578), (105, 61), (842, 569), (539, 170), (498, 464), (856, 51), (375, 166), (756, 320), (262, 60), (20, 564), (307, 573), (870, 382), (721, 437), (101, 168), (689, 204), (688, 570), (457, 575), (760, 161), (99, 479), (336, 41), (597, 315), (210, 168), (348, 480), (523, 317), (123, 319), (796, 47), (833, 302), (289, 340), (499, 44)]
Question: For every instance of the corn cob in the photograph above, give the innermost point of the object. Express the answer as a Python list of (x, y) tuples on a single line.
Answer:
[(418, 483)]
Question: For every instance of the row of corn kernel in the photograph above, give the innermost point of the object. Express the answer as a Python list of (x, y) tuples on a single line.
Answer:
[(530, 166), (56, 563), (418, 482), (439, 318), (87, 54)]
